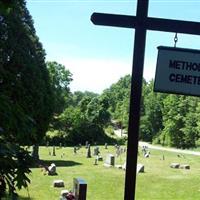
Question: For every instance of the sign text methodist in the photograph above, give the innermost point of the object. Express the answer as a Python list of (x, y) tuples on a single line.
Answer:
[(178, 71)]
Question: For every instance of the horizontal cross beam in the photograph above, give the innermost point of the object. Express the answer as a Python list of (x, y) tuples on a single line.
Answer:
[(155, 24)]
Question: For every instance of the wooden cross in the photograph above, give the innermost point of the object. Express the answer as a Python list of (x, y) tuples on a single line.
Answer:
[(141, 22)]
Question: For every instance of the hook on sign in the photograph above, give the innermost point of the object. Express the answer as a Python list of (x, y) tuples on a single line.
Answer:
[(175, 39)]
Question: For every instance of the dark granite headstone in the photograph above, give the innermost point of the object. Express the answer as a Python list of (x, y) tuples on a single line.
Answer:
[(80, 189), (89, 152)]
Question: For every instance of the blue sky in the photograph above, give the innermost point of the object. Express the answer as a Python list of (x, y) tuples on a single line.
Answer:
[(98, 56)]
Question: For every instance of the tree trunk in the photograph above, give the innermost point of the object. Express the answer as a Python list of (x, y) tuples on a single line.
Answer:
[(35, 152)]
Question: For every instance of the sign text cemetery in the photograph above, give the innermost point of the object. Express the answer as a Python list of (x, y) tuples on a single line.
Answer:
[(178, 71)]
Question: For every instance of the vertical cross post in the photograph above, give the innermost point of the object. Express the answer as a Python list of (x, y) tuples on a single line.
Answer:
[(141, 22), (135, 98)]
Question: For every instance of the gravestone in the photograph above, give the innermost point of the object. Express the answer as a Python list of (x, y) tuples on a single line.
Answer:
[(88, 152), (96, 151), (110, 160), (121, 150), (58, 183), (86, 144), (174, 165), (106, 146), (53, 151), (62, 155), (96, 161), (184, 166), (64, 192), (140, 168), (47, 144), (52, 169), (118, 166), (118, 151), (124, 166), (75, 150), (80, 189), (144, 151), (100, 158), (147, 154)]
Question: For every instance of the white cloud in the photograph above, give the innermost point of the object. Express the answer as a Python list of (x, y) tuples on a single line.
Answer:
[(98, 74), (95, 74), (149, 69)]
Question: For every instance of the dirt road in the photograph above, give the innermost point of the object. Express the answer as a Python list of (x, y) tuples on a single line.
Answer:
[(169, 149)]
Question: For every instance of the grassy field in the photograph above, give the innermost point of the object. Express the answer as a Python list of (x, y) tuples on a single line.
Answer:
[(158, 182)]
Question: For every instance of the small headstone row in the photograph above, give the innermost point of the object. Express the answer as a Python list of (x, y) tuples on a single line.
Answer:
[(110, 162), (179, 166)]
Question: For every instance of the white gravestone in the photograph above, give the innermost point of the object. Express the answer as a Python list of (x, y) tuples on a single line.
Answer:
[(110, 161)]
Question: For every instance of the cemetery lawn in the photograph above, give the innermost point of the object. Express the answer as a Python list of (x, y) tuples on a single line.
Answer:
[(159, 181)]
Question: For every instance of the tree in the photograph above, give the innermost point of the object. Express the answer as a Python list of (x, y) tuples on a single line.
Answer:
[(152, 116), (180, 122), (118, 100), (78, 96), (60, 80), (190, 128), (25, 91), (84, 120)]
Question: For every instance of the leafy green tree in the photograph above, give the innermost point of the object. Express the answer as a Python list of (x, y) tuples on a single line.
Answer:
[(118, 99), (86, 120), (180, 125), (97, 111), (25, 91), (190, 128), (60, 80), (151, 119), (78, 96), (14, 168)]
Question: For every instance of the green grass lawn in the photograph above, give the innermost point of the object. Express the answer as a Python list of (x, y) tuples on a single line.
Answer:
[(158, 182)]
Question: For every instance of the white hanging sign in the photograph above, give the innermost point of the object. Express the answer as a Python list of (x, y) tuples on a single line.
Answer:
[(178, 71)]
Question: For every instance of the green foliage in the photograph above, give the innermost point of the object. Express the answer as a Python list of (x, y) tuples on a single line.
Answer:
[(118, 100), (179, 121), (6, 6), (151, 113), (110, 130), (171, 120), (82, 120), (25, 92), (79, 96), (60, 80), (24, 80), (14, 168)]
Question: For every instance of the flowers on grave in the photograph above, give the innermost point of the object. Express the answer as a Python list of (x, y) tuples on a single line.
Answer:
[(69, 196)]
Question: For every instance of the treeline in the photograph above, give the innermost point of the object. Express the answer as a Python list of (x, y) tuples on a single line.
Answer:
[(78, 117), (166, 119)]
